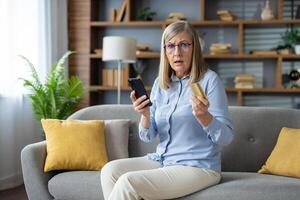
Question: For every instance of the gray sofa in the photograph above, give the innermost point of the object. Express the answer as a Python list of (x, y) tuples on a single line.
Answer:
[(256, 132)]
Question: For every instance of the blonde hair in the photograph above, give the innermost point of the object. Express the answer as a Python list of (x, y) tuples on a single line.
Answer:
[(198, 68)]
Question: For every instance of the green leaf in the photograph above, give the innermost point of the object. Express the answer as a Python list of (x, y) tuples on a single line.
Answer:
[(58, 96)]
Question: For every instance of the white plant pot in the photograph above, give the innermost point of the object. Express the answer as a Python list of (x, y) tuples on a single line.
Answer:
[(297, 49)]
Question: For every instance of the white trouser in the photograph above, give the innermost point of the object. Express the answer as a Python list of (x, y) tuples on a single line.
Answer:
[(140, 178)]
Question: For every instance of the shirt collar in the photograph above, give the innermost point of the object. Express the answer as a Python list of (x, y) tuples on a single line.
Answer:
[(174, 78)]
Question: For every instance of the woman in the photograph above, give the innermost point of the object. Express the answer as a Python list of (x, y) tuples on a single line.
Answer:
[(192, 130)]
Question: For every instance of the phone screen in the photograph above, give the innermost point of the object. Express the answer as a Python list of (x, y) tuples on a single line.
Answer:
[(138, 86)]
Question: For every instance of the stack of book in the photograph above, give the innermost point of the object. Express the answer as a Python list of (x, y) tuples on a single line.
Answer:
[(143, 47), (175, 16), (219, 48), (110, 77), (244, 81), (225, 15)]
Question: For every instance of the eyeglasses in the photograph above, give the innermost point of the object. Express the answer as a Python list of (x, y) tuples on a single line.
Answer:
[(183, 46)]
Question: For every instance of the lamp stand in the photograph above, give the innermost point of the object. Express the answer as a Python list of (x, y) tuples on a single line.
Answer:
[(119, 82)]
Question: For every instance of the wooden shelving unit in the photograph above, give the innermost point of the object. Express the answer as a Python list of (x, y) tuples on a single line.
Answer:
[(264, 90), (85, 23), (127, 24)]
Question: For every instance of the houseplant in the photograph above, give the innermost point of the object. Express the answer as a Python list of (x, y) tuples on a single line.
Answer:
[(145, 14), (58, 96), (291, 40)]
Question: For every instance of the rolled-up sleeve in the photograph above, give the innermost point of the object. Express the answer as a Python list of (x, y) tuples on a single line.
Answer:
[(148, 134), (220, 130)]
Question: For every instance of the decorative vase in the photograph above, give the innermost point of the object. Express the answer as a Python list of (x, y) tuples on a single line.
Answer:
[(297, 49), (267, 13)]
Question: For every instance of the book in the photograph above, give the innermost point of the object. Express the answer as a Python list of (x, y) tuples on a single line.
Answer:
[(115, 75), (125, 76), (121, 12), (223, 12), (219, 48), (225, 15), (113, 14), (226, 18), (248, 85), (104, 77), (110, 77), (244, 78)]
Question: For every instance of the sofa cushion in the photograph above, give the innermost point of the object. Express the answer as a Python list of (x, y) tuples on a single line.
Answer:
[(76, 185), (107, 112), (74, 144), (116, 138), (284, 159), (243, 185), (234, 186)]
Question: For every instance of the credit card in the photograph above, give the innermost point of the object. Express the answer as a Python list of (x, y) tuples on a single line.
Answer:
[(197, 90)]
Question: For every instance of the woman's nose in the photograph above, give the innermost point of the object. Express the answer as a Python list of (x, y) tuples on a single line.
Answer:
[(177, 50)]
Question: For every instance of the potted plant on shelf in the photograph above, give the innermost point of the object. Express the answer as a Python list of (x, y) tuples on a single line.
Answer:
[(145, 14), (58, 96), (291, 40)]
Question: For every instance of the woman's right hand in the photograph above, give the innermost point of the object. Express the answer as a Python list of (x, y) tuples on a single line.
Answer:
[(140, 104)]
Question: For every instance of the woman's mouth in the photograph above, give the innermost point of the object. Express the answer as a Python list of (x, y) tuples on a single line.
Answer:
[(178, 62)]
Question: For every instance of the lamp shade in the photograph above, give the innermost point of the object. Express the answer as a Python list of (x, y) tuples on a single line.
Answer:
[(116, 48)]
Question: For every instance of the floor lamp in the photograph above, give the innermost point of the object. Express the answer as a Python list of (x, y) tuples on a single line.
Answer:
[(120, 49)]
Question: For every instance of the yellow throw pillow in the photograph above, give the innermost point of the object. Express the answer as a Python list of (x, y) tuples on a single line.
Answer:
[(284, 159), (74, 144)]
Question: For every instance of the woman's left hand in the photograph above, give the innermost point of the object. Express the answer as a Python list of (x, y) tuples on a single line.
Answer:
[(200, 110)]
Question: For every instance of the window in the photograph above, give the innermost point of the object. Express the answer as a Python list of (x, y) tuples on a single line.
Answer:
[(22, 33)]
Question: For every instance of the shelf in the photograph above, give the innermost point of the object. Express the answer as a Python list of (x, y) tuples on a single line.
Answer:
[(154, 54), (127, 24), (214, 23), (240, 92), (244, 22), (239, 56), (162, 23), (271, 22), (291, 57), (139, 54), (159, 23), (96, 88), (250, 56), (149, 54), (263, 90)]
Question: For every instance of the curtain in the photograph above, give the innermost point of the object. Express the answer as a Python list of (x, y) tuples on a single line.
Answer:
[(27, 28)]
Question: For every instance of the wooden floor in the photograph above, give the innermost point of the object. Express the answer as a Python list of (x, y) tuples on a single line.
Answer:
[(17, 193)]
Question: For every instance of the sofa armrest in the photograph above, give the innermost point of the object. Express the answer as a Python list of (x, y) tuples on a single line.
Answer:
[(35, 179)]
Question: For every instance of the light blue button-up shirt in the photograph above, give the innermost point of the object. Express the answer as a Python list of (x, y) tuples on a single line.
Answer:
[(183, 141)]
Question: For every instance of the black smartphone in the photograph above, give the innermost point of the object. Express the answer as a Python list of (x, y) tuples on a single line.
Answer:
[(139, 88)]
